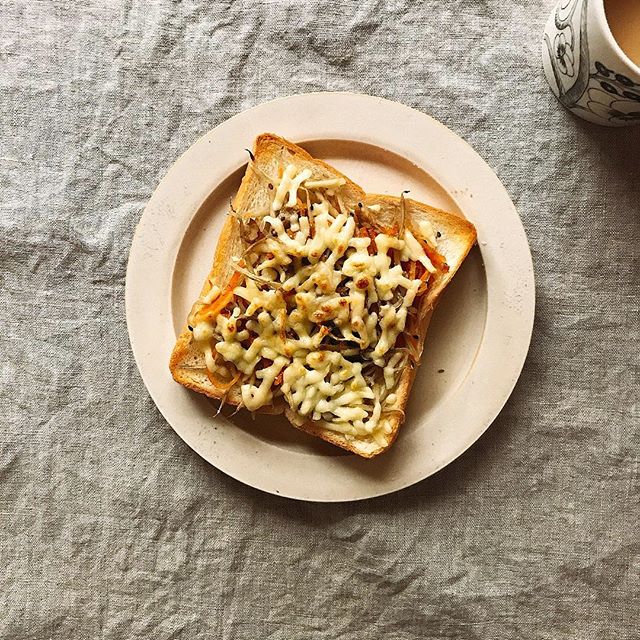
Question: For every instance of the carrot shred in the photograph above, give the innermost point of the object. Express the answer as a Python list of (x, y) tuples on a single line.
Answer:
[(437, 259), (368, 232), (409, 268), (372, 245), (226, 296), (415, 270)]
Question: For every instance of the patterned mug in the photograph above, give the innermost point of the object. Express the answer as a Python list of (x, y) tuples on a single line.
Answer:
[(586, 68)]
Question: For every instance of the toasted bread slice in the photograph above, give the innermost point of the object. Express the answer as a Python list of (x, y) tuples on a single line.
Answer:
[(457, 236)]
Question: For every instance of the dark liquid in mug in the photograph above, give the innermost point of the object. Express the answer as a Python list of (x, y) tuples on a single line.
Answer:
[(623, 17)]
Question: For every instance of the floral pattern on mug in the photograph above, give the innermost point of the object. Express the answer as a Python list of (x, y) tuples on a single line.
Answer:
[(564, 54), (583, 85), (611, 97)]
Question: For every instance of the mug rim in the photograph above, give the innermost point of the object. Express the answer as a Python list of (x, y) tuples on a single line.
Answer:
[(602, 17)]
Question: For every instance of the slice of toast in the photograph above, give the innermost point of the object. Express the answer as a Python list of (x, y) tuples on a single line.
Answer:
[(456, 236)]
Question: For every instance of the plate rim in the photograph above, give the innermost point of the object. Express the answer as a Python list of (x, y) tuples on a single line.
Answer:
[(311, 101)]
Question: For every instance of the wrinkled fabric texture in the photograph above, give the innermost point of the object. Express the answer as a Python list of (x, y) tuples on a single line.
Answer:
[(112, 528)]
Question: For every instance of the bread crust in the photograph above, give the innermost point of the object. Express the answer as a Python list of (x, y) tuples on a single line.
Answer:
[(187, 361)]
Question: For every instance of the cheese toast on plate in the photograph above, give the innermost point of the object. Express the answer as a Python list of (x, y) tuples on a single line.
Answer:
[(319, 299)]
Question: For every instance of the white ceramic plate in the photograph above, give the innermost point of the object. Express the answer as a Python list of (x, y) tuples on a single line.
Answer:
[(479, 334)]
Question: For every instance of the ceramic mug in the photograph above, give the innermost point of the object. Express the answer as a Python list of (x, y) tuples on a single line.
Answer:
[(586, 68)]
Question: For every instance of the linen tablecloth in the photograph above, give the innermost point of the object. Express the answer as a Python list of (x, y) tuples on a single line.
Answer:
[(113, 528)]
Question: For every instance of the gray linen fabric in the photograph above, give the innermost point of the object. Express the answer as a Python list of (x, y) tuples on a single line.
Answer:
[(112, 528)]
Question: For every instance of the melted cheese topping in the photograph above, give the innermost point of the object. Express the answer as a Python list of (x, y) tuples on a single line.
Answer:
[(320, 298), (325, 386), (330, 183)]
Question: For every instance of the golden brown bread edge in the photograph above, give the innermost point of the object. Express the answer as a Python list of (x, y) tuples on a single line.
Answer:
[(458, 236)]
